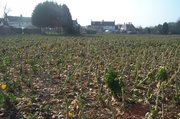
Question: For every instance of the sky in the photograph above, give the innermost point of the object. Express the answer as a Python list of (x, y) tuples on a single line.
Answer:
[(139, 12)]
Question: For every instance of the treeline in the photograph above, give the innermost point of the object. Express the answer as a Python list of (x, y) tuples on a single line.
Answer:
[(165, 28)]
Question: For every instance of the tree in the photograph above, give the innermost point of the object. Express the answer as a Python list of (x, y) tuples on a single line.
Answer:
[(50, 14), (45, 14), (147, 30), (172, 28), (67, 22), (165, 28), (178, 27), (6, 11), (158, 29)]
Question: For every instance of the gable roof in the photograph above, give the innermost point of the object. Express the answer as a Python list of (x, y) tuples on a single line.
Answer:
[(103, 23), (17, 19), (19, 22), (108, 23), (96, 23), (128, 27)]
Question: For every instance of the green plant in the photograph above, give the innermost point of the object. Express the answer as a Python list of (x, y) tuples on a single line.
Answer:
[(114, 84), (177, 87), (4, 65), (81, 106), (13, 86), (67, 105), (151, 114), (8, 101), (161, 76)]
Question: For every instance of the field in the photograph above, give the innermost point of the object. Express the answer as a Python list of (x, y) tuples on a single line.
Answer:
[(56, 77)]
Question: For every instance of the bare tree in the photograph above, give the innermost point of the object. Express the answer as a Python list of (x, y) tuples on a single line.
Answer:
[(6, 11)]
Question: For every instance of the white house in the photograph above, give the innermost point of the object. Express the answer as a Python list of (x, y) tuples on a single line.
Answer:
[(101, 26), (18, 22), (127, 28)]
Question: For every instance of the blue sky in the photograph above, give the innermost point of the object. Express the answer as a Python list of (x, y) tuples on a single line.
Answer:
[(139, 12)]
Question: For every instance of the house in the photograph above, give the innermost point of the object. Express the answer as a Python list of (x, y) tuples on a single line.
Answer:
[(127, 28), (75, 23), (102, 26), (17, 25), (76, 26), (18, 22)]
